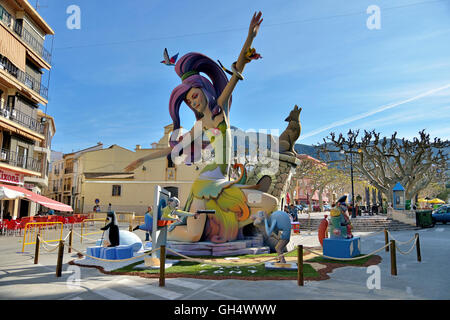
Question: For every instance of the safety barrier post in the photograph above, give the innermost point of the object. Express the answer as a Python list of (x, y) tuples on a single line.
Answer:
[(300, 265), (386, 239), (36, 250), (60, 259), (70, 241), (419, 256), (393, 259), (162, 266), (130, 228)]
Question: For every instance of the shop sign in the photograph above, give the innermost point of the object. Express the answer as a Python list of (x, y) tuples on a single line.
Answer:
[(11, 177)]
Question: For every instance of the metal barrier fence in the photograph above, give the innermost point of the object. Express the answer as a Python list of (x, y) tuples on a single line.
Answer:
[(42, 228), (83, 223), (137, 220), (125, 216)]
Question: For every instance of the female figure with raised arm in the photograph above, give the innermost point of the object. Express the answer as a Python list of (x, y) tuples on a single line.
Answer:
[(210, 100)]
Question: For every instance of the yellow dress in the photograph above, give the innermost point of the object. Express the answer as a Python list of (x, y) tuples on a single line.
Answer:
[(220, 194)]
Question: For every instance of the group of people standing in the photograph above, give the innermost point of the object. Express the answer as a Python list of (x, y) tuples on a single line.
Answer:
[(292, 210)]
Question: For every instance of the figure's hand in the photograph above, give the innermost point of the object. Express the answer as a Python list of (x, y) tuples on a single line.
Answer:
[(132, 166), (254, 24)]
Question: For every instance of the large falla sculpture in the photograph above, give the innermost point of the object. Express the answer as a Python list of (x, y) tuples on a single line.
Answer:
[(210, 99)]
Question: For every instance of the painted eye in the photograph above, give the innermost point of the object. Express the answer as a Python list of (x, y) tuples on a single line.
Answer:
[(194, 96)]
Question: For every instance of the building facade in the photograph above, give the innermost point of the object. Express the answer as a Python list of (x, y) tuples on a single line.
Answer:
[(25, 132), (63, 176), (99, 175)]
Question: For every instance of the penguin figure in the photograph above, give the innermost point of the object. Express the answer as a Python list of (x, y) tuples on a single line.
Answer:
[(113, 229)]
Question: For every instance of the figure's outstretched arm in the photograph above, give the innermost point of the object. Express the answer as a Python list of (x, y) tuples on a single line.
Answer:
[(270, 229), (242, 60), (189, 137), (182, 213), (158, 154), (106, 227)]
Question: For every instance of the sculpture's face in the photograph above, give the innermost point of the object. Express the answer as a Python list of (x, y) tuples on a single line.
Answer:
[(195, 98)]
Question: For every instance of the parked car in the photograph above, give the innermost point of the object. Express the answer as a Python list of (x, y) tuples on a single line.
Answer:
[(442, 214), (300, 207), (326, 207)]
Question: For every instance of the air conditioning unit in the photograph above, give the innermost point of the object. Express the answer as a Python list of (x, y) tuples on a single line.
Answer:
[(3, 155)]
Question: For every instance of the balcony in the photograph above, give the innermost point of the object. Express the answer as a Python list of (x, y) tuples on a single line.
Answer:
[(16, 160), (25, 35), (29, 39), (22, 119), (25, 78)]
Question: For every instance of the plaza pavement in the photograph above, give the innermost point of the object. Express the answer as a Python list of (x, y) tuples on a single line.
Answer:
[(429, 279)]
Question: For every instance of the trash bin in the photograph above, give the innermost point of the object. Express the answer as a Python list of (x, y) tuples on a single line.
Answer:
[(424, 219), (408, 204)]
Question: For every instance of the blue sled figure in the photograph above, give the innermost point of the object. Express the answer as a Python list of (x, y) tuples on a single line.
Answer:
[(276, 222)]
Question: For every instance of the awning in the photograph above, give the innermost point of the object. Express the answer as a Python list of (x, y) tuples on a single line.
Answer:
[(44, 201)]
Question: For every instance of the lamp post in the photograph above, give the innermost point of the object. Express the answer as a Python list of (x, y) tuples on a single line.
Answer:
[(351, 145)]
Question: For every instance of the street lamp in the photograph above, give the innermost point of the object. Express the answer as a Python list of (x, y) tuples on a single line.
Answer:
[(351, 144)]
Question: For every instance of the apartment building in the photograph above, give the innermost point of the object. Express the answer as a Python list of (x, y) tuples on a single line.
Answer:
[(64, 177), (99, 175), (25, 131)]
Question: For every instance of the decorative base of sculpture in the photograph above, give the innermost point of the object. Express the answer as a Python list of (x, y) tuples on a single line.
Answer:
[(252, 245), (280, 266), (111, 253), (342, 248)]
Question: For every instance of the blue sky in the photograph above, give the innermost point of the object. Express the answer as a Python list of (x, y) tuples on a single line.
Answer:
[(108, 84)]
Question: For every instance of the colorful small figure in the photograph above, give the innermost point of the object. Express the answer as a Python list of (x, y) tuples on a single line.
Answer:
[(148, 223), (323, 230), (173, 214), (340, 225), (112, 230), (169, 61), (277, 222)]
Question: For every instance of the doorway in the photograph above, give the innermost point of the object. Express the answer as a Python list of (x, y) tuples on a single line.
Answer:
[(24, 208)]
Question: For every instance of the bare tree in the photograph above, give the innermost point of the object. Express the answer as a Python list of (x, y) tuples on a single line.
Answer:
[(383, 162), (316, 177)]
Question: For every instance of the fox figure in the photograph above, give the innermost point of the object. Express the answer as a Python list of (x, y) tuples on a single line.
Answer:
[(292, 132)]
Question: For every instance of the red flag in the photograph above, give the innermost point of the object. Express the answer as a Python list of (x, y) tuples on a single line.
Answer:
[(288, 198)]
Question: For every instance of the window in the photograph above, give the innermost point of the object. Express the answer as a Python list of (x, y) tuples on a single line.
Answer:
[(5, 16), (173, 191), (116, 190), (170, 163), (22, 156), (18, 26)]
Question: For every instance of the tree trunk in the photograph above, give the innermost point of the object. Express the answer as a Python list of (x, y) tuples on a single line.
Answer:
[(320, 200)]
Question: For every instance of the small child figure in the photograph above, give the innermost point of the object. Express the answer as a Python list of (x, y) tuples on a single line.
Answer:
[(172, 213)]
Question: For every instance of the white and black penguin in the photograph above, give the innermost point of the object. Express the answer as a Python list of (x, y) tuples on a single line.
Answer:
[(113, 229)]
